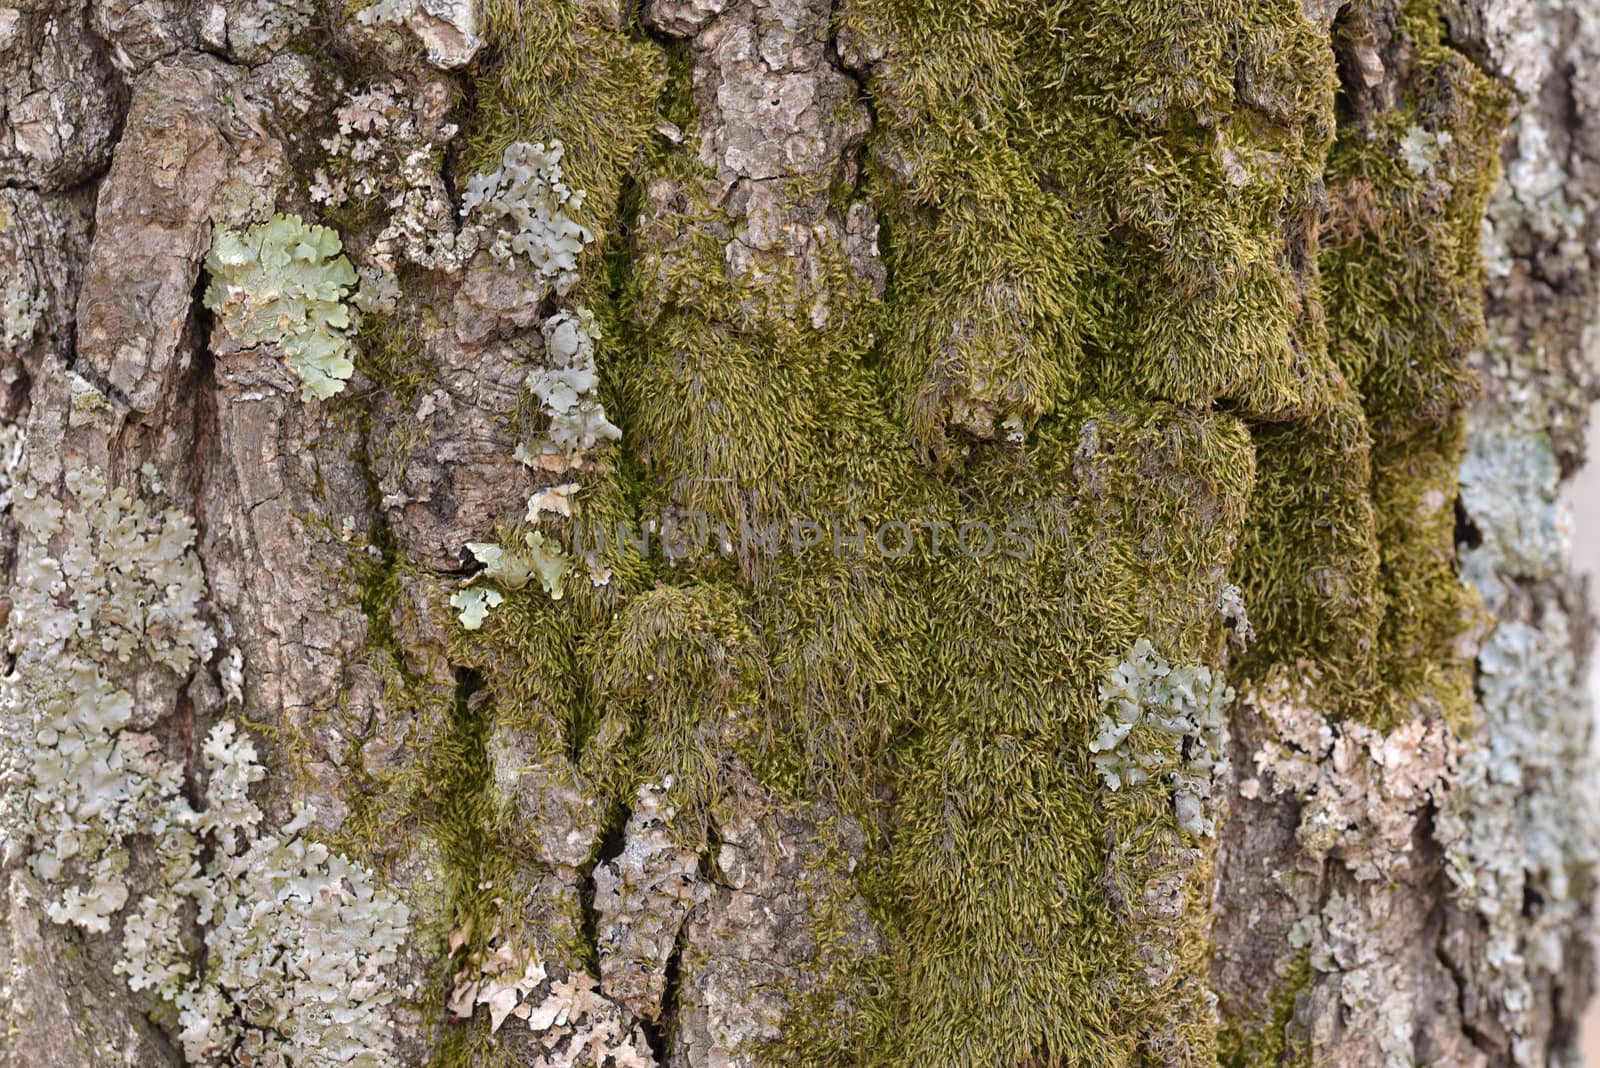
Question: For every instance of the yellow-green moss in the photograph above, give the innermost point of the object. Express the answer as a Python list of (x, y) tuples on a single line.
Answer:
[(1120, 309)]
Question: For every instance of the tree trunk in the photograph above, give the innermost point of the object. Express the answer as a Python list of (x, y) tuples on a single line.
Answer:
[(732, 532)]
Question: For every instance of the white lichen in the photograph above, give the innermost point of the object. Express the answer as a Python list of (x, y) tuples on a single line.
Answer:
[(1230, 604), (448, 29), (525, 210), (1169, 725), (571, 1021), (1421, 149), (567, 387), (389, 149), (553, 500), (284, 283), (21, 307), (1362, 791)]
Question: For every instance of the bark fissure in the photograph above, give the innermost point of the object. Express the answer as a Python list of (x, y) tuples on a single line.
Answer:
[(1184, 304)]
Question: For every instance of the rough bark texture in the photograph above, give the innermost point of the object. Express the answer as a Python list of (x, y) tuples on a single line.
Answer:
[(812, 532)]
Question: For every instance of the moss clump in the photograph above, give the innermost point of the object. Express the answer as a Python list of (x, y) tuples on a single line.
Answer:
[(1402, 282), (1112, 317), (560, 72), (1309, 558)]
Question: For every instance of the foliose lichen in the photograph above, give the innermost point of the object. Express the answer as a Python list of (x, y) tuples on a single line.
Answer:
[(524, 206), (1165, 724), (1509, 491), (525, 209), (514, 568), (568, 1020), (566, 386), (474, 603), (284, 283), (294, 940)]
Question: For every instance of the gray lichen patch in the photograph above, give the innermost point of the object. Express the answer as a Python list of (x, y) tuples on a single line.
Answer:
[(1362, 791), (524, 210), (1168, 725), (567, 383), (296, 938), (387, 150), (447, 29), (254, 31), (1518, 830), (1509, 492), (58, 113), (643, 896), (20, 309)]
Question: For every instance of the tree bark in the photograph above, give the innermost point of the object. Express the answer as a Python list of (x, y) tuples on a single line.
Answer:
[(806, 532)]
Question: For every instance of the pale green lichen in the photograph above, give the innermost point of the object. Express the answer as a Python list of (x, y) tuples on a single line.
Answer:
[(1508, 490), (473, 604), (1518, 830), (515, 568), (295, 939), (102, 583), (1165, 724), (284, 283), (510, 569), (524, 206), (296, 947)]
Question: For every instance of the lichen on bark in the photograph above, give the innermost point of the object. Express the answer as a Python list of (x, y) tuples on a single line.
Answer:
[(1183, 305)]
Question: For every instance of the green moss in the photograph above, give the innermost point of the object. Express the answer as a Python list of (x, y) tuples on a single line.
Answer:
[(559, 72), (1309, 559), (389, 351), (1272, 1045), (1120, 312), (1402, 285)]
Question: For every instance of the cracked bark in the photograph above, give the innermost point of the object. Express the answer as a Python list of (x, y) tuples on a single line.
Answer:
[(480, 784)]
